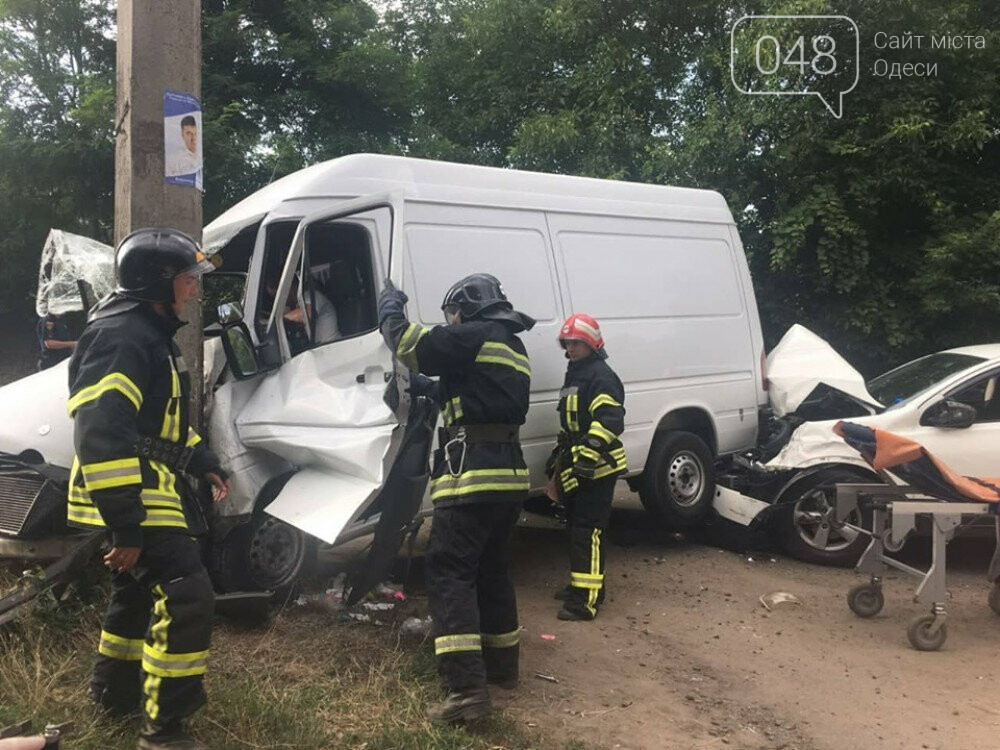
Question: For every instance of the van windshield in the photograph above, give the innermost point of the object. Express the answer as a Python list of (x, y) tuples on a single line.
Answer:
[(898, 386)]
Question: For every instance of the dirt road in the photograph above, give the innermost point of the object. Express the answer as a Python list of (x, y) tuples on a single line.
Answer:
[(683, 655)]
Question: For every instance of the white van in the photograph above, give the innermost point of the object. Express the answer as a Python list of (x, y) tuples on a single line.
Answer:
[(307, 432)]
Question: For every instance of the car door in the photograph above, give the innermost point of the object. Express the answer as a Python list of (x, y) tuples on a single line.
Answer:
[(331, 409), (973, 450)]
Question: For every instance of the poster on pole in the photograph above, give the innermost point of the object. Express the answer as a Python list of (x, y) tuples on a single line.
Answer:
[(182, 139)]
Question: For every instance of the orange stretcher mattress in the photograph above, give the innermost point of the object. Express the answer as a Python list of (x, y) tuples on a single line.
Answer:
[(915, 465)]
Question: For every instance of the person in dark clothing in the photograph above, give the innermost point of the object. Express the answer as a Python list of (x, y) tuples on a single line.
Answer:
[(479, 482), (587, 460), (129, 401), (55, 342)]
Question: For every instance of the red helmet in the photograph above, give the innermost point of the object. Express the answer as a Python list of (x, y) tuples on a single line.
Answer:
[(583, 328)]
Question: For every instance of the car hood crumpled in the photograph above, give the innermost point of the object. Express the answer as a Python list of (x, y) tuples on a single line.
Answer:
[(802, 361)]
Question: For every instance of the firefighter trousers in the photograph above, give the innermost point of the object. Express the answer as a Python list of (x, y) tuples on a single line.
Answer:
[(588, 511), (154, 643), (471, 593)]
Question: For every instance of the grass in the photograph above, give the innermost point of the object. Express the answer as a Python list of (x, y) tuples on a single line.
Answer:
[(304, 681)]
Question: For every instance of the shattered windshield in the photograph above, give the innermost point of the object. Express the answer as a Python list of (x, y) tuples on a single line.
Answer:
[(902, 384)]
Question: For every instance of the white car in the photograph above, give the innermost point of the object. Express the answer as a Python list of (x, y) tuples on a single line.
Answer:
[(949, 402)]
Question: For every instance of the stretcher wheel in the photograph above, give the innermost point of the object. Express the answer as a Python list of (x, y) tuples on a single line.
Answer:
[(865, 600), (921, 637), (994, 598)]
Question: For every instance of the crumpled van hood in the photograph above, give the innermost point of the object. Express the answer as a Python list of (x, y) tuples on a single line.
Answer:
[(800, 362)]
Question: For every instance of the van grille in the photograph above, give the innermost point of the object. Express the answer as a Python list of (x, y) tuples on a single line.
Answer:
[(18, 492)]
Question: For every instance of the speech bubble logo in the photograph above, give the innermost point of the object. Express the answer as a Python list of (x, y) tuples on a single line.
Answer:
[(796, 56)]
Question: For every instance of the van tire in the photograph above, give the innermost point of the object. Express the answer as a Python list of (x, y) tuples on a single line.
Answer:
[(678, 484), (264, 555)]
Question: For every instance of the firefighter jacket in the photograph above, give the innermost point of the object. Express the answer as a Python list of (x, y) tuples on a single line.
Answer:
[(485, 380), (592, 417), (128, 382)]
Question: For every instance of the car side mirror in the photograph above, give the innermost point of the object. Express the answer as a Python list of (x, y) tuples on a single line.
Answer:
[(239, 350), (952, 414)]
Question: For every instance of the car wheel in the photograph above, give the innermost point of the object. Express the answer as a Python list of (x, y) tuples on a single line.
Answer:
[(807, 527), (264, 555), (678, 485)]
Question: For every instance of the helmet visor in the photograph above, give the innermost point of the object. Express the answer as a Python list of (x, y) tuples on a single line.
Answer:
[(451, 314), (203, 264)]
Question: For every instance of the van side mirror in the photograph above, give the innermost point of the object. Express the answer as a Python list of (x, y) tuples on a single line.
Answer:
[(230, 312), (239, 350), (952, 414)]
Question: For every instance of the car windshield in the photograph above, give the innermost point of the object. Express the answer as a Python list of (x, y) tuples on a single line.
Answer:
[(898, 386)]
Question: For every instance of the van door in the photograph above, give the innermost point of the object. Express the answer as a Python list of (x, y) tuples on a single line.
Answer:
[(331, 408)]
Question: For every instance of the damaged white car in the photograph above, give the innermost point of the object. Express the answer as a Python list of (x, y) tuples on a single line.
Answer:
[(949, 402)]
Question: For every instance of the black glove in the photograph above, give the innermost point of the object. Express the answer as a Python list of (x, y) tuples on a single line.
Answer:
[(421, 385), (391, 303)]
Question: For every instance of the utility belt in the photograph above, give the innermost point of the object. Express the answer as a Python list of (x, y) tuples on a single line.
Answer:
[(175, 455), (453, 441)]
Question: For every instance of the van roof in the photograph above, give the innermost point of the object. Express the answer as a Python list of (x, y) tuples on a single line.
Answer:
[(439, 181)]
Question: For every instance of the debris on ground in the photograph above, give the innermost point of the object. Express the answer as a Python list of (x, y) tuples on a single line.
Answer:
[(770, 601), (546, 677), (416, 627)]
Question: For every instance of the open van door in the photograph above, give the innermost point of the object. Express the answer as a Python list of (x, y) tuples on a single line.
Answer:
[(335, 408)]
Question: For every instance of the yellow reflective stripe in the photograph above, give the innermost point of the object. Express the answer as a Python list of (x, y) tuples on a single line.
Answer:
[(497, 353), (600, 400), (115, 473), (502, 640), (163, 664), (406, 349), (159, 633), (193, 438), (116, 381), (171, 428), (595, 569), (585, 451), (452, 411), (601, 432), (116, 647), (480, 480), (88, 516), (449, 644), (572, 422)]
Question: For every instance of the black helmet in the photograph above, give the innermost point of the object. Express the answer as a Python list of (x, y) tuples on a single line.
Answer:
[(148, 260), (474, 294), (479, 295)]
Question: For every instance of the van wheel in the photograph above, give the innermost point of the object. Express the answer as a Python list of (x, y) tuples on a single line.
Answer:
[(807, 527), (678, 485), (264, 555)]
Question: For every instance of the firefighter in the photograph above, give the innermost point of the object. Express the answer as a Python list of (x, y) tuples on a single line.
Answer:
[(129, 401), (478, 482), (587, 460)]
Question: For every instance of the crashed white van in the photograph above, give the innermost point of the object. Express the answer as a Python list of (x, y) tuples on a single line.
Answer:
[(311, 424)]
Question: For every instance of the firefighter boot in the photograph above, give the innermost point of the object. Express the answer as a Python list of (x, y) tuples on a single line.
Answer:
[(564, 593), (461, 706), (575, 611), (174, 736)]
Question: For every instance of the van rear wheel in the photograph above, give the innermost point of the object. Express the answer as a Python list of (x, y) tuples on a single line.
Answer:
[(678, 484)]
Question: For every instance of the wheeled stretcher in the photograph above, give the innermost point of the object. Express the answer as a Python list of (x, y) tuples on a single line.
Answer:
[(948, 500)]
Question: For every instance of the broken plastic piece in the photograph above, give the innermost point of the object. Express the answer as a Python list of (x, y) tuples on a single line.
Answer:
[(770, 601), (548, 637), (69, 261), (546, 677)]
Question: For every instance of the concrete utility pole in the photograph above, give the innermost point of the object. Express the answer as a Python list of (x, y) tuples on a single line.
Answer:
[(159, 48)]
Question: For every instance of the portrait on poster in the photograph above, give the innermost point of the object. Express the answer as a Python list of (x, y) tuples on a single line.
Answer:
[(182, 139)]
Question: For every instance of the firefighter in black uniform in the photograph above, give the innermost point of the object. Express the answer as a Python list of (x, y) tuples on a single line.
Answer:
[(129, 401), (478, 482), (587, 460)]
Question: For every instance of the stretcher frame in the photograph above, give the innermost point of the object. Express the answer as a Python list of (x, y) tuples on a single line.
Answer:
[(894, 517)]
